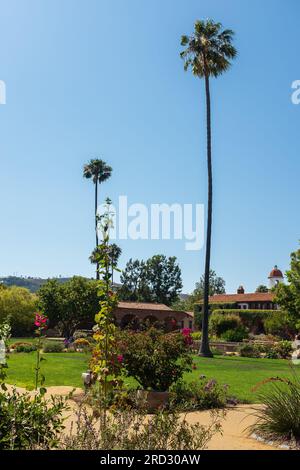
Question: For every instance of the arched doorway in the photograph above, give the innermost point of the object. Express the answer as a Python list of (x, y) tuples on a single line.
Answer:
[(170, 324), (150, 320), (129, 321)]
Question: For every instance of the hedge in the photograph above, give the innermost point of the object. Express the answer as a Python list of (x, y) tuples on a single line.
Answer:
[(253, 319)]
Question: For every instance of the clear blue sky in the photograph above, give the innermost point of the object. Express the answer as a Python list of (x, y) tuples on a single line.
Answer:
[(104, 78)]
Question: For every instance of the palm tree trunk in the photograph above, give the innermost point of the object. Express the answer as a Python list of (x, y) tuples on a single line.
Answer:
[(204, 348), (96, 225)]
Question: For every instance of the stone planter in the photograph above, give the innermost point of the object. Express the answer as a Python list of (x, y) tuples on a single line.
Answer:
[(152, 400)]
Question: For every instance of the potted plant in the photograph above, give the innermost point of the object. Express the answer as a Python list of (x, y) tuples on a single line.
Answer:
[(156, 360)]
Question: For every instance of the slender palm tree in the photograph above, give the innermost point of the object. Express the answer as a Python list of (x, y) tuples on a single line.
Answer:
[(98, 171), (114, 251), (208, 52)]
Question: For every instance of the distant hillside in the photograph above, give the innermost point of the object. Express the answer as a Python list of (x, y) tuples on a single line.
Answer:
[(31, 283), (34, 283)]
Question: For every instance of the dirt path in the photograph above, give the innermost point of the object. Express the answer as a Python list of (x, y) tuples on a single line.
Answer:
[(234, 424), (234, 430)]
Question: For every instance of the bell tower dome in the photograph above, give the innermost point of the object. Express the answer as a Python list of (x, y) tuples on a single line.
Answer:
[(275, 277)]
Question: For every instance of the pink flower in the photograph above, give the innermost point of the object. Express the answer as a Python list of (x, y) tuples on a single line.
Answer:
[(40, 320), (120, 358), (186, 331)]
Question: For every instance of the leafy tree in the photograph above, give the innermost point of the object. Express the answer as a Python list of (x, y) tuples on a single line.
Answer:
[(288, 295), (216, 286), (208, 52), (261, 288), (156, 280), (68, 305), (135, 286), (18, 305), (185, 305), (98, 171), (164, 277)]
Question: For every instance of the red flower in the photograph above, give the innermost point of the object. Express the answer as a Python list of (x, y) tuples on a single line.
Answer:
[(120, 358)]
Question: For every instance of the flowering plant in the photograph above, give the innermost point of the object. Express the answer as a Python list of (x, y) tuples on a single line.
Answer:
[(106, 362), (156, 360), (186, 333), (41, 324), (40, 321)]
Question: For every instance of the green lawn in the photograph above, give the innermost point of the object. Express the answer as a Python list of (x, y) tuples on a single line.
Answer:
[(58, 368), (240, 373)]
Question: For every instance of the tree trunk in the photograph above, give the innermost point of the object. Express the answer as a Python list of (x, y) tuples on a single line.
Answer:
[(96, 225), (204, 348)]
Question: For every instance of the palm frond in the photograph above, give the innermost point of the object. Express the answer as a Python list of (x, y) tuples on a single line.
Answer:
[(209, 50), (98, 170)]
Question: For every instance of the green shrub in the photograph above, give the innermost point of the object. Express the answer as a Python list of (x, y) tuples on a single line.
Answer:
[(156, 360), (25, 348), (28, 423), (280, 415), (196, 335), (235, 336), (219, 323), (79, 334), (203, 395), (267, 350), (249, 350), (284, 349), (251, 319), (279, 324), (19, 305), (272, 354), (53, 347)]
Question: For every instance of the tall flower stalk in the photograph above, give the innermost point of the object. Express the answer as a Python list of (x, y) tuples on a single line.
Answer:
[(5, 331), (41, 324), (106, 363)]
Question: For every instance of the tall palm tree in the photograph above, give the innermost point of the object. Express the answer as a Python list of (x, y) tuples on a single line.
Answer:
[(208, 52), (98, 171)]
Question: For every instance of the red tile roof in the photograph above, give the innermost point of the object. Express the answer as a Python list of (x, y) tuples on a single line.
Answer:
[(143, 306), (253, 297), (151, 307)]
